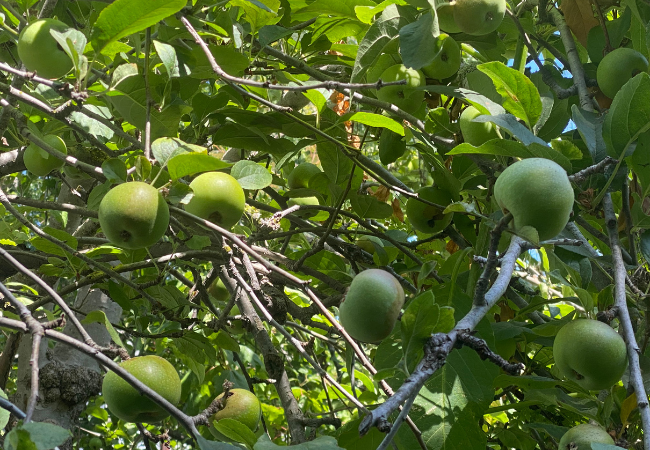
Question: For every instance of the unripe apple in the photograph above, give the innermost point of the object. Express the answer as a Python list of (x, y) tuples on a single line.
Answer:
[(582, 436), (590, 353), (405, 97), (368, 243), (218, 197), (219, 291), (479, 17), (384, 61), (133, 215), (538, 193), (427, 218), (371, 305), (617, 68), (446, 18), (39, 162), (476, 133), (243, 406), (447, 62), (125, 402), (301, 174), (40, 52), (304, 201)]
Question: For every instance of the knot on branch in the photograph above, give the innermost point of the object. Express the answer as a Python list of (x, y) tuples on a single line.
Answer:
[(71, 384), (480, 346), (608, 315), (219, 403)]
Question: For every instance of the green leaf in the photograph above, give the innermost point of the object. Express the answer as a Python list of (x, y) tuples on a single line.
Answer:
[(185, 164), (377, 38), (417, 41), (36, 436), (628, 116), (320, 443), (422, 318), (226, 342), (167, 54), (259, 12), (510, 123), (100, 317), (204, 444), (114, 170), (4, 414), (377, 121), (166, 148), (520, 96), (368, 207), (251, 175), (124, 17), (236, 431)]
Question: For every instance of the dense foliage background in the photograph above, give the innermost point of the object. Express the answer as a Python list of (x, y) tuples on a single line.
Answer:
[(162, 90)]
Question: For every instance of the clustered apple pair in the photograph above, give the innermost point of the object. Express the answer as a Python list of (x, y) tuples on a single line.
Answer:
[(135, 215), (125, 402)]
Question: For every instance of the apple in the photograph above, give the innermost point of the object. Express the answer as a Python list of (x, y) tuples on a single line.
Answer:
[(371, 306), (582, 436), (219, 291), (40, 52), (405, 97), (301, 174), (39, 162), (243, 406), (427, 218), (538, 193), (476, 133), (133, 215), (447, 60), (125, 402), (218, 197), (617, 68), (382, 63), (304, 201), (446, 18), (590, 353), (368, 243), (479, 17)]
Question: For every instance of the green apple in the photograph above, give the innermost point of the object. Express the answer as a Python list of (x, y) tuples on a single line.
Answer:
[(133, 215), (384, 61), (39, 162), (405, 97), (617, 68), (582, 436), (96, 443), (40, 52), (391, 146), (590, 353), (447, 60), (304, 201), (219, 291), (301, 174), (218, 197), (427, 218), (446, 18), (371, 306), (476, 133), (479, 17), (125, 402), (538, 193), (243, 406), (368, 243)]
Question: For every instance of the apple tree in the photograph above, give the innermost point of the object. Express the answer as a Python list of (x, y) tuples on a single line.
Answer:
[(329, 224)]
